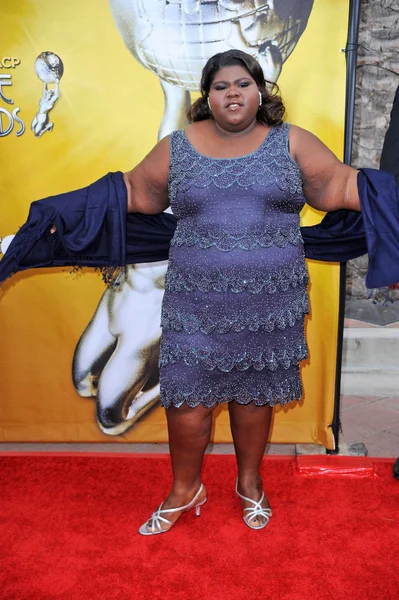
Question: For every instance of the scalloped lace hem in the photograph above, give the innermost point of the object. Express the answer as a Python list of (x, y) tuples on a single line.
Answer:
[(287, 391), (186, 234), (293, 276), (210, 360), (174, 320)]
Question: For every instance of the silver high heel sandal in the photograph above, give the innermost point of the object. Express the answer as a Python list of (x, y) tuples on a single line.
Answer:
[(157, 519), (256, 511)]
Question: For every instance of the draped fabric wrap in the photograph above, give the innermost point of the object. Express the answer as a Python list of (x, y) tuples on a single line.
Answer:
[(92, 230), (390, 150), (380, 211)]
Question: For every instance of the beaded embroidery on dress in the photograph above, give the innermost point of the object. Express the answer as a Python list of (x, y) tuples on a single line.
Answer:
[(236, 286)]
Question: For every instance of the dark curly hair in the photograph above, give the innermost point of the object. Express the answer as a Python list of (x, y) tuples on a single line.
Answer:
[(271, 111)]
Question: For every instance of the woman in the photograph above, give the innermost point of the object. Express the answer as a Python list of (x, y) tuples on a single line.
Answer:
[(235, 293)]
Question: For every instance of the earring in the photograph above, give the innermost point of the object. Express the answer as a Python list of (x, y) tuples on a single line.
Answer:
[(260, 99), (209, 104)]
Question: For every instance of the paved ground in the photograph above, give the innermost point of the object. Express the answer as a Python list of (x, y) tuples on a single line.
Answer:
[(373, 420)]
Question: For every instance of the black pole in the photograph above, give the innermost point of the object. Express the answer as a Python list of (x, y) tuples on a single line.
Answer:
[(351, 60)]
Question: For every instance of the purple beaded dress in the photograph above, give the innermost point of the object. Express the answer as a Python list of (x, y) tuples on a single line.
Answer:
[(236, 286)]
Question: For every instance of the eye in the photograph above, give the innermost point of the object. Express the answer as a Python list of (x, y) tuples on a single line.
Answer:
[(220, 87), (244, 84)]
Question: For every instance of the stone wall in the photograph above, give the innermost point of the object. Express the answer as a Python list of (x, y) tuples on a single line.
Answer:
[(376, 81)]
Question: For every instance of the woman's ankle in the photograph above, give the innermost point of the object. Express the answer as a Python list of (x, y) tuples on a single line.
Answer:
[(183, 492), (249, 483)]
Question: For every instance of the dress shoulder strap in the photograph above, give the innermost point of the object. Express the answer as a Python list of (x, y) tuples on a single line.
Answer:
[(283, 130), (282, 139), (176, 141)]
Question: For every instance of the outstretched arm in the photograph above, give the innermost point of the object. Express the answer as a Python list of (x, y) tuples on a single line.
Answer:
[(328, 183), (147, 183)]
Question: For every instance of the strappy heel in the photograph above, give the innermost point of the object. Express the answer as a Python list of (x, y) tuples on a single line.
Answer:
[(157, 517), (257, 510)]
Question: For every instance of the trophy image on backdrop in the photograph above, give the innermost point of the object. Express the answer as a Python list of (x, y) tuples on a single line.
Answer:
[(175, 39), (115, 360), (49, 69)]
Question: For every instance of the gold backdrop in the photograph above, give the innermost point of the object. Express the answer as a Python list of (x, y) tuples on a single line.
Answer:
[(107, 119)]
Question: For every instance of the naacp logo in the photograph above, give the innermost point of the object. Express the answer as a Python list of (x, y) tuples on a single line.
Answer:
[(9, 62), (9, 119), (49, 69)]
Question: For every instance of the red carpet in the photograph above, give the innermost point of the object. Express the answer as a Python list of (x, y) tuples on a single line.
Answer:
[(68, 531)]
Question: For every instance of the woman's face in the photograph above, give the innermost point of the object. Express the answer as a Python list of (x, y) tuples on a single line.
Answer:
[(234, 98)]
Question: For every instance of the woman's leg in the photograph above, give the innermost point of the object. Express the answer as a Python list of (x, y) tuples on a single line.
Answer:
[(189, 433), (250, 427)]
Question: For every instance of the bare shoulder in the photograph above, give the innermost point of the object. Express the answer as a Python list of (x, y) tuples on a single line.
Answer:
[(328, 183), (302, 141), (147, 182), (161, 151), (307, 149), (298, 132), (156, 161)]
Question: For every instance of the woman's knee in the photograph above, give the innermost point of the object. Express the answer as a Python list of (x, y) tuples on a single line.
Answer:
[(250, 409), (187, 414)]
